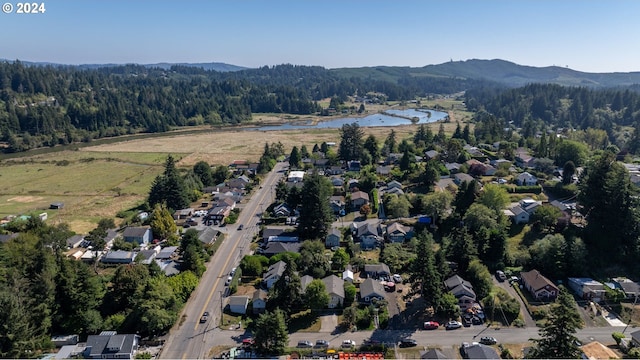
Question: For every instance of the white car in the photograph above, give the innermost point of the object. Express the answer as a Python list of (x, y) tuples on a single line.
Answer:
[(348, 344), (228, 281), (397, 278)]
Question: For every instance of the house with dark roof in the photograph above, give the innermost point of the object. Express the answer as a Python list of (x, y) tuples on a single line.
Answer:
[(462, 290), (459, 178), (277, 247), (259, 301), (359, 198), (333, 238), (587, 288), (367, 235), (480, 351), (371, 290), (635, 338), (433, 354), (631, 288), (399, 233), (539, 286), (376, 271), (335, 289), (118, 257), (140, 235), (109, 345), (74, 241)]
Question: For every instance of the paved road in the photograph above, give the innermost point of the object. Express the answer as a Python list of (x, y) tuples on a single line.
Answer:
[(189, 339)]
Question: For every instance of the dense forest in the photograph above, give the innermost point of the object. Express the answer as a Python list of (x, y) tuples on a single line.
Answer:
[(51, 105)]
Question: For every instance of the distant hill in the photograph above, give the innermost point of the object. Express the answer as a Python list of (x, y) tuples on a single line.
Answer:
[(215, 66), (499, 71)]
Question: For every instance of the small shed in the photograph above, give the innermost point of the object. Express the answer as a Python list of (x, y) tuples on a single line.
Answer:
[(56, 205)]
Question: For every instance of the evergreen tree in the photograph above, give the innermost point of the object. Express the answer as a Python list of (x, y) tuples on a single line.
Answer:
[(568, 170), (203, 170), (315, 215), (351, 142), (286, 293), (294, 158), (424, 274), (405, 162), (162, 223), (271, 336), (371, 145), (457, 134), (558, 340), (391, 142), (169, 188)]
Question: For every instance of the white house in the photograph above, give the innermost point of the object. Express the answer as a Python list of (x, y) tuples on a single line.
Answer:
[(273, 274), (238, 304), (526, 179), (335, 289), (295, 176)]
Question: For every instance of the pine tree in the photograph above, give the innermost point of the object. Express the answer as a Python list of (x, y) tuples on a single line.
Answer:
[(424, 274), (294, 158), (315, 215), (271, 335), (558, 340)]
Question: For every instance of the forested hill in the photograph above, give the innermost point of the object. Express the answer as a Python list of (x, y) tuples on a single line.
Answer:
[(498, 71)]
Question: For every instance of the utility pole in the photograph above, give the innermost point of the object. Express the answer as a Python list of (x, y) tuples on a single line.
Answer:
[(221, 309)]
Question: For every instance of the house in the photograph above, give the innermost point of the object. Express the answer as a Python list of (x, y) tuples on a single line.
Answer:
[(295, 176), (282, 210), (367, 235), (337, 204), (183, 214), (376, 271), (259, 301), (333, 238), (383, 170), (225, 201), (238, 304), (541, 288), (394, 158), (118, 257), (462, 290), (433, 354), (167, 253), (394, 184), (305, 281), (395, 191), (277, 247), (453, 168), (140, 235), (523, 159), (337, 181), (208, 235), (240, 182), (354, 165), (110, 345), (146, 256), (371, 291), (480, 351), (635, 338), (62, 340), (75, 241), (526, 179), (335, 170), (271, 232), (459, 178), (518, 215), (397, 232), (217, 214), (631, 288), (587, 289), (335, 289), (431, 154), (273, 274), (596, 350), (352, 184), (359, 198)]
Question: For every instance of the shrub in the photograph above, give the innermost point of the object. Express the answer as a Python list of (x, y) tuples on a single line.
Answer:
[(617, 337)]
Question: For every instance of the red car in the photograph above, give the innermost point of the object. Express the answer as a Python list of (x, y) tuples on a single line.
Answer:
[(248, 342), (431, 325)]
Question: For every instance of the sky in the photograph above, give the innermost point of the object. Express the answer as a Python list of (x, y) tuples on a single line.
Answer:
[(584, 35)]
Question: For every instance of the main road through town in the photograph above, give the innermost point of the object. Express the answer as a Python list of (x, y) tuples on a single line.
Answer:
[(190, 339)]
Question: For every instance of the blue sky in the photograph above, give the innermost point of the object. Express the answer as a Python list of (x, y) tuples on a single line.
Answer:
[(591, 36)]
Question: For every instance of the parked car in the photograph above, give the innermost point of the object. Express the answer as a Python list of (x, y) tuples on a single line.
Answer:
[(321, 344), (488, 340), (248, 342), (431, 325), (451, 325), (304, 344), (204, 317), (348, 344), (232, 272), (500, 275), (241, 227), (397, 278), (408, 343), (228, 281)]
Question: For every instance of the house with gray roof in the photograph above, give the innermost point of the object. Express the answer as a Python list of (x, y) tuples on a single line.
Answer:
[(371, 290), (74, 241), (359, 198), (109, 345), (208, 235), (305, 281), (480, 351), (631, 288), (274, 273), (238, 304), (399, 233), (277, 247), (587, 288), (166, 253), (140, 235), (367, 235), (376, 271), (462, 290), (335, 289), (118, 257), (459, 178), (333, 238), (433, 354), (259, 301)]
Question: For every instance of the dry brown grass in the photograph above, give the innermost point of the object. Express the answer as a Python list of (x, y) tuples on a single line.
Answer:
[(224, 146)]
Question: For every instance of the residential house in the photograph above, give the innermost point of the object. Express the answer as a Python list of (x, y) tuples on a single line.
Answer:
[(140, 235), (118, 257), (473, 151), (433, 354), (335, 289), (321, 163), (75, 241), (227, 201), (208, 235), (282, 210), (337, 204), (541, 288), (238, 304), (397, 232), (259, 301), (526, 179), (335, 170), (354, 165), (480, 351), (396, 191), (277, 247), (217, 214), (521, 212), (631, 288), (352, 184), (394, 184), (367, 235), (523, 159), (431, 154), (394, 158), (376, 271), (635, 338), (146, 257), (371, 291), (273, 274), (459, 178), (110, 345), (271, 232), (167, 253), (337, 181), (333, 238), (240, 182), (587, 289), (462, 290), (596, 350), (358, 199), (304, 282), (383, 170), (453, 168)]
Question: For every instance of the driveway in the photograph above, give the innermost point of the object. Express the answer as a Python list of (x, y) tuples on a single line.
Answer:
[(528, 320), (328, 323)]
